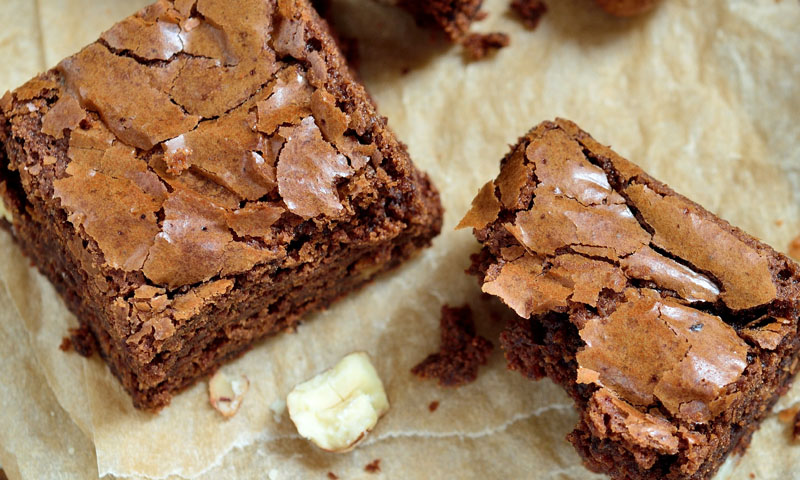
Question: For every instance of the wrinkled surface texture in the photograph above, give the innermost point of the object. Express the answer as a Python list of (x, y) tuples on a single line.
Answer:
[(683, 89)]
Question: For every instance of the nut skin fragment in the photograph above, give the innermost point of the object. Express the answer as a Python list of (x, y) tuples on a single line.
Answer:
[(225, 394), (337, 408)]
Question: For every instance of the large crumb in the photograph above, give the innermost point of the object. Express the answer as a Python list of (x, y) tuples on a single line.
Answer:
[(374, 466), (461, 351), (479, 45), (530, 11)]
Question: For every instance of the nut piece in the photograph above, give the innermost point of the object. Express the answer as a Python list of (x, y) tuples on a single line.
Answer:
[(226, 395), (626, 8), (337, 408), (4, 213)]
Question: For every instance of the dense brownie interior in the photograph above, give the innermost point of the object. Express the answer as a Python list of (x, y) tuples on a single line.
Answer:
[(673, 331), (200, 177)]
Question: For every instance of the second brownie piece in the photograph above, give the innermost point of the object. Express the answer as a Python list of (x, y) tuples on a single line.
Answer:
[(673, 331), (200, 177)]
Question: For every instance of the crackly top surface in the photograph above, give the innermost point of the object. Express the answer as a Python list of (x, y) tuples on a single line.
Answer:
[(667, 298), (200, 132)]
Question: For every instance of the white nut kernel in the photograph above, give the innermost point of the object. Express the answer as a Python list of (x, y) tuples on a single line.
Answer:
[(337, 408), (226, 395)]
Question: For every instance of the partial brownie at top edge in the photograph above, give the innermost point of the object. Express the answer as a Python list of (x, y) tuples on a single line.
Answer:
[(673, 331), (201, 176)]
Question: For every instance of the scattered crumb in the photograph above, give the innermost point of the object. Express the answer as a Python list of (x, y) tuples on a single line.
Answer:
[(83, 341), (226, 394), (66, 344), (779, 223), (374, 466), (332, 476), (479, 45), (794, 248), (530, 11), (752, 475), (433, 406), (481, 15), (461, 351), (796, 428)]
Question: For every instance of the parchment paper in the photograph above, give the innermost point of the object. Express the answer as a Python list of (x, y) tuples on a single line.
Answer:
[(703, 94)]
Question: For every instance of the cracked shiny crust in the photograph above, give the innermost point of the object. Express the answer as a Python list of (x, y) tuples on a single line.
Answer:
[(200, 150), (665, 304)]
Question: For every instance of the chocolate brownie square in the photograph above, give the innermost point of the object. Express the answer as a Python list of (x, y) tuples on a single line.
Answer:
[(673, 331), (200, 177)]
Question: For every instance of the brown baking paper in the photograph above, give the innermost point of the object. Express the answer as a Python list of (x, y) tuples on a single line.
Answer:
[(703, 94)]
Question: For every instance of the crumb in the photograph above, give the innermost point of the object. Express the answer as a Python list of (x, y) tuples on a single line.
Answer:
[(83, 341), (374, 466), (66, 344), (796, 428), (481, 15), (332, 476), (433, 406), (779, 223), (479, 45), (461, 351), (529, 11), (752, 475), (794, 248)]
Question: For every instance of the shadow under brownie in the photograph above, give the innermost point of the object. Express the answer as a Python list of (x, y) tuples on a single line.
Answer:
[(199, 178), (673, 331)]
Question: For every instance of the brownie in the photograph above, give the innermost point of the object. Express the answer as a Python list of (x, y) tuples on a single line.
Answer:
[(200, 177), (673, 331)]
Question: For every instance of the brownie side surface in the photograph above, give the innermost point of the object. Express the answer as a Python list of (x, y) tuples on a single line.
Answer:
[(198, 179), (672, 330)]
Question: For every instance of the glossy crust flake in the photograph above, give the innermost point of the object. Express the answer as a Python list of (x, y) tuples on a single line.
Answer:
[(673, 331), (200, 176)]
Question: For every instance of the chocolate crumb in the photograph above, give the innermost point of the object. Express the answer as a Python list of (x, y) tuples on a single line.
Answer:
[(332, 476), (752, 475), (83, 341), (529, 11), (66, 344), (433, 406), (481, 15), (374, 466), (479, 45), (461, 351)]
